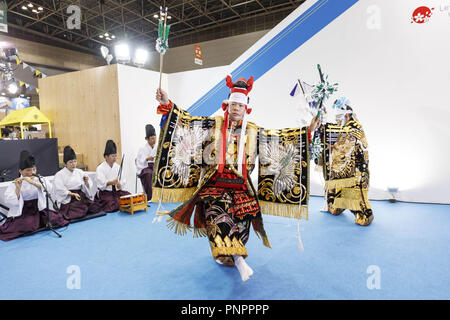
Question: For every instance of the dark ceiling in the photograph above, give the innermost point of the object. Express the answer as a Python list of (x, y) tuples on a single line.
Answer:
[(192, 21)]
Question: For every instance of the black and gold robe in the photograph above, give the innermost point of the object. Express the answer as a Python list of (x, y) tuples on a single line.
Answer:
[(224, 205), (345, 165)]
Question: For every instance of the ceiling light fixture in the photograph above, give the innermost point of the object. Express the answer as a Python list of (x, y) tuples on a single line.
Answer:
[(122, 52), (140, 57)]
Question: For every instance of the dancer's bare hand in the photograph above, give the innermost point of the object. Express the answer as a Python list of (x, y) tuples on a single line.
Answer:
[(162, 97), (315, 123)]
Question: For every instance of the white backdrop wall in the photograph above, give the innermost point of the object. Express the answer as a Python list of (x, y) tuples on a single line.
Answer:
[(397, 77), (396, 74), (137, 107)]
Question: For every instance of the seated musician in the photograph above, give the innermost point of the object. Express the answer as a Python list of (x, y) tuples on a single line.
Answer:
[(110, 187), (146, 159), (73, 189), (27, 203)]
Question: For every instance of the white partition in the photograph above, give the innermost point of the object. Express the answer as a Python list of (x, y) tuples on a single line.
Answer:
[(395, 72)]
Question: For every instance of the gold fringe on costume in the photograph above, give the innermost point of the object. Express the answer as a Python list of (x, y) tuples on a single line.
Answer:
[(180, 228), (348, 204), (340, 183), (200, 232), (265, 239), (350, 198), (172, 195), (284, 210)]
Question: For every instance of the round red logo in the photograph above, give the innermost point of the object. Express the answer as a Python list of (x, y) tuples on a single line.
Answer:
[(422, 14)]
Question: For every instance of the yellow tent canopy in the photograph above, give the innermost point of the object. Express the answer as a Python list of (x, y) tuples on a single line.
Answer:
[(26, 116)]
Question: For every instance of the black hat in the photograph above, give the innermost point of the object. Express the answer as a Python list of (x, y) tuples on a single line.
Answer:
[(110, 148), (69, 154), (149, 131), (26, 160)]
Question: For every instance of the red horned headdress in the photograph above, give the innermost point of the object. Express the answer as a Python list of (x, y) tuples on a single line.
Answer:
[(239, 91)]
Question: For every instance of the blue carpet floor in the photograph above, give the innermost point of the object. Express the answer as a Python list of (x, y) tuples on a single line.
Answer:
[(128, 257)]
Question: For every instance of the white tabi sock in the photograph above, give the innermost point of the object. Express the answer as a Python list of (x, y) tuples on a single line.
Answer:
[(245, 271)]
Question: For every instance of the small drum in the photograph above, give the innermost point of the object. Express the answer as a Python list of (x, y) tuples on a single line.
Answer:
[(131, 198), (133, 202)]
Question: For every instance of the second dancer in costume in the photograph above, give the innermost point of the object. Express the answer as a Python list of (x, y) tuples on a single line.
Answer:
[(345, 161)]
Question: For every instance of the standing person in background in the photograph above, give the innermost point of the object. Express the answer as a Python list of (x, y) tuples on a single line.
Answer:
[(73, 189), (108, 183), (146, 159)]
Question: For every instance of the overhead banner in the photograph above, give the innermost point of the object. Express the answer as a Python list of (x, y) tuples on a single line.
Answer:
[(3, 18), (198, 57)]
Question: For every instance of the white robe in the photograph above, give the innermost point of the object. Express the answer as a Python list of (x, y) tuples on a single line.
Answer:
[(65, 181), (27, 192), (144, 152), (105, 173)]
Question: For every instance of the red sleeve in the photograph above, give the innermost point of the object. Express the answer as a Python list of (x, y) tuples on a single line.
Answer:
[(309, 136), (164, 108)]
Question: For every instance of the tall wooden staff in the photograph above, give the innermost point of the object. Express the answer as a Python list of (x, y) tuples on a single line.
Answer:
[(162, 43)]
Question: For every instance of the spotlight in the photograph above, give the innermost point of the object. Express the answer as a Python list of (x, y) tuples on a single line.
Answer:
[(122, 52), (155, 16), (100, 36), (392, 191), (35, 11), (140, 57), (12, 88), (106, 34), (105, 53), (108, 38), (40, 8), (113, 36), (24, 8), (169, 17), (30, 5)]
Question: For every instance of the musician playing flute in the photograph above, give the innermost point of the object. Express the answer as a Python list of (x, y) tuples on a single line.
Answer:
[(73, 189), (109, 183), (26, 200)]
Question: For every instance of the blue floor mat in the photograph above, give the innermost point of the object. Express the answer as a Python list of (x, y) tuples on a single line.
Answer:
[(120, 256)]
